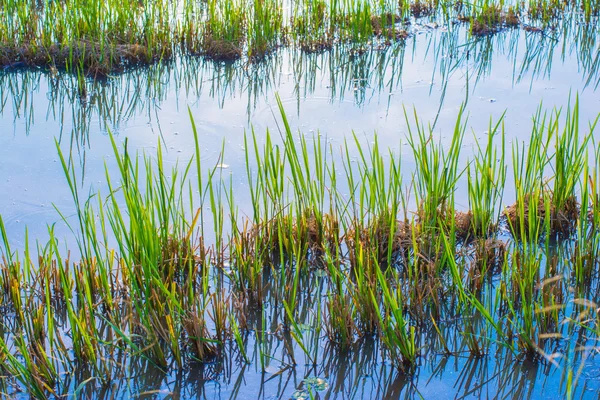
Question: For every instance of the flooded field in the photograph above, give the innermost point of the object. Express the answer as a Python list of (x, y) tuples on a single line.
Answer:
[(412, 219)]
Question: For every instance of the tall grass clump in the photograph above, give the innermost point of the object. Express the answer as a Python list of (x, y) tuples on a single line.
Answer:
[(98, 36), (545, 12), (313, 24), (355, 23), (418, 8), (550, 205), (385, 22), (570, 160), (436, 174), (487, 17), (161, 260), (525, 217), (265, 28), (225, 30), (486, 178)]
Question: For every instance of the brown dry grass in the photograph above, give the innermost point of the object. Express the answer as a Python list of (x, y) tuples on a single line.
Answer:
[(562, 221), (380, 237), (95, 59), (221, 50), (464, 224), (492, 20), (380, 22), (423, 8)]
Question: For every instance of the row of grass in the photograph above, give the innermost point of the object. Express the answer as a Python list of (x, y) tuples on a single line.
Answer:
[(330, 253), (99, 37)]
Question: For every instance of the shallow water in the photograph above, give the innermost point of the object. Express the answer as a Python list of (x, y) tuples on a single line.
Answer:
[(332, 94), (359, 375)]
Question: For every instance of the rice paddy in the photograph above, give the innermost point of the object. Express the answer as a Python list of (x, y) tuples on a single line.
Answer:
[(99, 38), (324, 267), (342, 199)]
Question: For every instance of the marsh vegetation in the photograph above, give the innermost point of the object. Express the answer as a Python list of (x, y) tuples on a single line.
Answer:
[(99, 38), (331, 256), (456, 247)]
